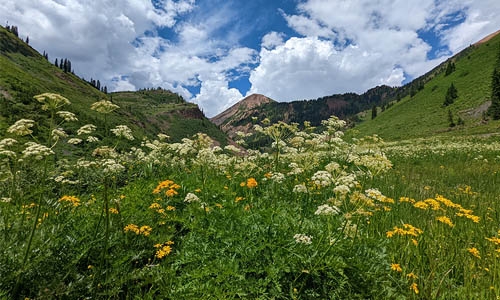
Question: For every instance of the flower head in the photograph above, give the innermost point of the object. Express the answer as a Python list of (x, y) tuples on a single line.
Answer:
[(104, 106), (51, 101), (21, 127)]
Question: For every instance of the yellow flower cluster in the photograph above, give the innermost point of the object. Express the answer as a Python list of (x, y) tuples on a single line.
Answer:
[(74, 201), (145, 230), (251, 183), (163, 249), (407, 229), (474, 252), (445, 220), (396, 267), (168, 185)]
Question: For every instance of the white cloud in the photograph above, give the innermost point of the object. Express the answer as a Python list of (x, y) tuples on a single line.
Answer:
[(272, 39), (341, 46), (351, 46)]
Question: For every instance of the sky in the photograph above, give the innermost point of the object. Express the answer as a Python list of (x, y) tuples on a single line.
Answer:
[(215, 52)]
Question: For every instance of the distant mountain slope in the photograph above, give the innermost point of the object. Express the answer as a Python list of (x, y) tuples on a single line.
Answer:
[(240, 116), (25, 73), (228, 119), (425, 115)]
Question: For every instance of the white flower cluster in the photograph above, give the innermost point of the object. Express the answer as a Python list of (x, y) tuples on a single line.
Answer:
[(111, 166), (322, 178), (276, 177), (58, 133), (232, 148), (123, 131), (86, 129), (302, 239), (104, 106), (300, 188), (74, 141), (190, 197), (51, 101), (327, 210), (36, 150), (21, 127), (295, 169), (67, 116)]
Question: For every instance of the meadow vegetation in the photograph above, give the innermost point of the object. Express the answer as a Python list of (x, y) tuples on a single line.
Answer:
[(314, 217)]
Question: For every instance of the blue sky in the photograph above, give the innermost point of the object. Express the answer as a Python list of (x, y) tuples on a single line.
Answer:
[(215, 52)]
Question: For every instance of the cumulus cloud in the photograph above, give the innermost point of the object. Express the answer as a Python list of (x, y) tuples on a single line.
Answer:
[(351, 46), (335, 46)]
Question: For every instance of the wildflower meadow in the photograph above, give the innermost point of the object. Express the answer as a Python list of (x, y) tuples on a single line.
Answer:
[(96, 213)]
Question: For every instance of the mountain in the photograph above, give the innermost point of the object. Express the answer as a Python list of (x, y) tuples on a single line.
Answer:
[(424, 114), (25, 73), (241, 116), (229, 120)]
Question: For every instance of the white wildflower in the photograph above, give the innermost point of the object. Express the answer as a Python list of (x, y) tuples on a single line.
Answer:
[(51, 101), (232, 148), (36, 150), (342, 189), (112, 166), (123, 131), (86, 129), (302, 239), (327, 210), (190, 197), (58, 133), (300, 188), (322, 178), (67, 116), (21, 127), (74, 141), (7, 142), (92, 139), (104, 106)]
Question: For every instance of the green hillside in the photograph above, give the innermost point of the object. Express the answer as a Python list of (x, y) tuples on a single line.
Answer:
[(25, 73), (424, 114)]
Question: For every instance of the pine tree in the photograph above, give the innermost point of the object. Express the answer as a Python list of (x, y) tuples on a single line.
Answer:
[(65, 65), (56, 63), (494, 109), (449, 68), (61, 64), (374, 112), (451, 95), (27, 40), (98, 86)]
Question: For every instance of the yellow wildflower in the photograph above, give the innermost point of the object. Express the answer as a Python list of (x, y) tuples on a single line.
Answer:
[(414, 288), (415, 242), (445, 220), (396, 267), (412, 275), (171, 192), (70, 199), (155, 205), (251, 183), (132, 227), (145, 230), (198, 190), (406, 199), (434, 204), (170, 208), (494, 240), (113, 210), (474, 252), (238, 199), (219, 205), (163, 251), (421, 205)]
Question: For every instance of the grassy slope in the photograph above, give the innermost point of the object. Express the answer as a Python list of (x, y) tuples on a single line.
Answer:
[(423, 115), (26, 73)]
